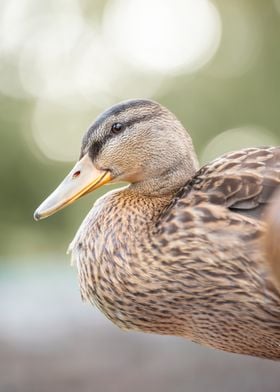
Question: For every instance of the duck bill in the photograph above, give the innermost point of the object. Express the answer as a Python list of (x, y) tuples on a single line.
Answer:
[(82, 179)]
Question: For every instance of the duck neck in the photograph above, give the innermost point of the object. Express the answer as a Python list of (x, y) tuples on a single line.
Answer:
[(167, 182), (141, 207)]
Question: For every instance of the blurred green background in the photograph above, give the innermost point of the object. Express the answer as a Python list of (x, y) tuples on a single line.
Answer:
[(216, 65)]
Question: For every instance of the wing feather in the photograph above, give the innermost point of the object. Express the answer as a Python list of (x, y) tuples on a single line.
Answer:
[(243, 181)]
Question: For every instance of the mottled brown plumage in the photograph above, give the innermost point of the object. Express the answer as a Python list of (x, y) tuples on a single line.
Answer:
[(271, 237), (179, 251)]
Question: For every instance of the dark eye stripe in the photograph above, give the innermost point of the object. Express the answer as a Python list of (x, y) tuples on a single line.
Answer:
[(97, 146), (95, 149)]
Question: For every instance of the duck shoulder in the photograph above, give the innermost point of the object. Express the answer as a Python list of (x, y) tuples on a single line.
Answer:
[(243, 181)]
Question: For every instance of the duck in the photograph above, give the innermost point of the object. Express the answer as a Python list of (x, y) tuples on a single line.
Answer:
[(179, 249)]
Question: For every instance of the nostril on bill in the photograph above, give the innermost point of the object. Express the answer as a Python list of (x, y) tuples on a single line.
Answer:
[(76, 174)]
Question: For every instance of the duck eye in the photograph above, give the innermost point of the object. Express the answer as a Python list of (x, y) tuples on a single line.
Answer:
[(117, 127)]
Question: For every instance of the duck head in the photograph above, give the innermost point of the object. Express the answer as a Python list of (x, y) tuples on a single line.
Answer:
[(137, 141)]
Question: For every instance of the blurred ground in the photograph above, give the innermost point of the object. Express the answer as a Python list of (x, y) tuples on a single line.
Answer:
[(51, 342)]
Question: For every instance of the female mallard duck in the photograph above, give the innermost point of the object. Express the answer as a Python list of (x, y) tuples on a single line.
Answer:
[(178, 251)]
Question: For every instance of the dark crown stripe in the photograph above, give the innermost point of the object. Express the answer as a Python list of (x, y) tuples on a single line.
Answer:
[(118, 109)]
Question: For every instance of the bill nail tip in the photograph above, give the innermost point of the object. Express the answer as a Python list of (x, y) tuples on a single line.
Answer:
[(36, 216)]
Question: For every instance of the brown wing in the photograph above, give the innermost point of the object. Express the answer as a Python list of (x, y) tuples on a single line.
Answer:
[(243, 181)]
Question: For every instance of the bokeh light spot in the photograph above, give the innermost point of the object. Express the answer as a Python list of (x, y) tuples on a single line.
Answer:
[(57, 129), (237, 138), (169, 36), (241, 42)]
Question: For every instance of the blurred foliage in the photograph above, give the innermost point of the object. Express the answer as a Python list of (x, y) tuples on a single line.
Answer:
[(208, 102)]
